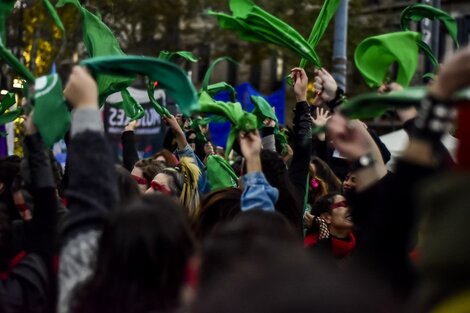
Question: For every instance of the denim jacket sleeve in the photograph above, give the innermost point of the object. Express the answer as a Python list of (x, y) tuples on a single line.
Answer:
[(258, 193), (203, 186)]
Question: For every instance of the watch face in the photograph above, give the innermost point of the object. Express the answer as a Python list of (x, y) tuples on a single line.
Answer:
[(365, 160)]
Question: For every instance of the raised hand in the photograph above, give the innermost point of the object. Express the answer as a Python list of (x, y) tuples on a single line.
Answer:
[(349, 137), (250, 145), (81, 90), (453, 75), (322, 117), (300, 83), (325, 85)]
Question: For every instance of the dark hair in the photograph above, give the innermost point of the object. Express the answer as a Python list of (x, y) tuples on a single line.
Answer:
[(283, 278), (323, 204), (289, 202), (127, 187), (218, 206), (149, 168), (325, 173), (248, 236), (5, 238), (170, 159), (12, 180), (141, 261)]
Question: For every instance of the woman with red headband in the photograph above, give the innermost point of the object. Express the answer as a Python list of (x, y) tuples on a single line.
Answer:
[(331, 226)]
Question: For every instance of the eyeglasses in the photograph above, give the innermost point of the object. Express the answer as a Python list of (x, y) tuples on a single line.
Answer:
[(161, 188), (140, 180)]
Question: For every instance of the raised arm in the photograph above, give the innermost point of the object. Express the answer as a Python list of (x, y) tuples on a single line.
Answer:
[(92, 190), (298, 170), (184, 150), (257, 192), (129, 150)]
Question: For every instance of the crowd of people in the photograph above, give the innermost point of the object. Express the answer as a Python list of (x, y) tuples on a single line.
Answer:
[(320, 225)]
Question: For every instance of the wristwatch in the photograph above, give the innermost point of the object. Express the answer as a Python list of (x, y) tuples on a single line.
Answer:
[(367, 160)]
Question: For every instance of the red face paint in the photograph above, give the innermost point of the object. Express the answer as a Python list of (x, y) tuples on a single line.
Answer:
[(140, 180), (160, 188)]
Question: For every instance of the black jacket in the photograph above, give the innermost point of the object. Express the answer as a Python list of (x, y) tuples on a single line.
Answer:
[(30, 284)]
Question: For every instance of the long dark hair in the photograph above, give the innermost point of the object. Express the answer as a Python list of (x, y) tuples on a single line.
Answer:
[(218, 206), (322, 205), (142, 257)]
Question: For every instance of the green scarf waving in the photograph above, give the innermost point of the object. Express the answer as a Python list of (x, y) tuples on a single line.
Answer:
[(255, 24), (375, 55), (417, 12)]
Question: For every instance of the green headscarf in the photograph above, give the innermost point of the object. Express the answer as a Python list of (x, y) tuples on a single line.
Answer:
[(375, 55)]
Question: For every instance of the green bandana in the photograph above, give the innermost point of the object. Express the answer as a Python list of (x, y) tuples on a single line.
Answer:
[(375, 54), (166, 56), (327, 11), (6, 7), (416, 13), (220, 174), (131, 107), (6, 103), (186, 55), (170, 77), (100, 41), (218, 87), (262, 111), (240, 120), (254, 24), (51, 115)]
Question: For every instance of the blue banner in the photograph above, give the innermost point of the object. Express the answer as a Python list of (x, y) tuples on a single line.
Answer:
[(219, 131)]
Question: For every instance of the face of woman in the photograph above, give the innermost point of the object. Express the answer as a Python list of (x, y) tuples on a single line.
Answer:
[(349, 182), (139, 178), (340, 215), (161, 183)]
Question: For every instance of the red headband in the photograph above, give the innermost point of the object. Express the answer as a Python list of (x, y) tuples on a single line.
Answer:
[(343, 204), (140, 180), (161, 188)]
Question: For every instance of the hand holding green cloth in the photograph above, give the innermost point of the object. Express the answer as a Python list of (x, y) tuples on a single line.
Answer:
[(262, 110), (170, 77), (51, 114), (327, 11), (375, 55), (220, 174), (240, 120), (254, 24), (100, 41)]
